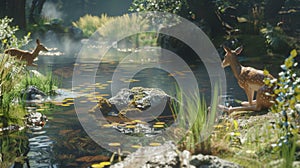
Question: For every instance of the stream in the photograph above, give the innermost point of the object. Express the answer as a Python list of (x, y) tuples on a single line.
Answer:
[(63, 142)]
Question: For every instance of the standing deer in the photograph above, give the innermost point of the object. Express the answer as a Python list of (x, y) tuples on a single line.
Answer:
[(251, 80), (26, 55)]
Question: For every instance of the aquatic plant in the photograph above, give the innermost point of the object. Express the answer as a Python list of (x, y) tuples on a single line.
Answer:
[(47, 83), (196, 139)]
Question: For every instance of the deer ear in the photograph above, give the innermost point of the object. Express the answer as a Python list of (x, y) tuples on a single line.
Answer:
[(238, 50), (226, 49), (37, 41)]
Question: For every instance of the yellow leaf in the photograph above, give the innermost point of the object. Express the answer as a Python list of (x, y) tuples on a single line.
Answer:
[(297, 89), (158, 126), (266, 72), (160, 123), (267, 81), (288, 62), (136, 146), (114, 144), (130, 126), (235, 124), (277, 91), (293, 53), (298, 97), (100, 165), (154, 144)]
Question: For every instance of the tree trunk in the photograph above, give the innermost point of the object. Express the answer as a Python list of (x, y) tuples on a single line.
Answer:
[(35, 10)]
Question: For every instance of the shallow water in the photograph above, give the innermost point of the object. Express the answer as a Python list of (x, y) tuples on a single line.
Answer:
[(63, 142)]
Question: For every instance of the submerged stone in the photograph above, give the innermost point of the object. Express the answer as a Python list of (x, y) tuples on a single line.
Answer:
[(36, 119)]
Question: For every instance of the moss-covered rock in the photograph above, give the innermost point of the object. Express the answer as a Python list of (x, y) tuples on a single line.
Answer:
[(136, 103)]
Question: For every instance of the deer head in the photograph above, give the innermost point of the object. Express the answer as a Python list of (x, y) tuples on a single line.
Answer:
[(231, 56), (40, 46)]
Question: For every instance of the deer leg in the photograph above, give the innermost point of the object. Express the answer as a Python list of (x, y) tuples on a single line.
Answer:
[(246, 103), (250, 94), (240, 108)]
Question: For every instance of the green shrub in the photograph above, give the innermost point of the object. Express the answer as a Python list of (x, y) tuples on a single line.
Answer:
[(14, 77), (123, 26), (171, 6), (7, 35), (276, 40), (89, 24), (44, 25), (287, 104)]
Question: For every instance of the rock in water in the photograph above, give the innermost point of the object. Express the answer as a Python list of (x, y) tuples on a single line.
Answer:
[(137, 103), (34, 119), (32, 93), (139, 97)]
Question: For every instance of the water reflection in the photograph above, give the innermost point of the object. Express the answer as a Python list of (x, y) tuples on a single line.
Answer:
[(13, 149), (40, 149)]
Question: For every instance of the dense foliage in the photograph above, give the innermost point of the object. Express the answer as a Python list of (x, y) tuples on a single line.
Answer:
[(15, 77), (171, 6), (287, 104), (8, 37), (10, 71)]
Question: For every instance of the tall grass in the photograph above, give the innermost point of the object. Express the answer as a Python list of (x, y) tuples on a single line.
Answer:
[(11, 73), (14, 77), (89, 24), (124, 25), (48, 83), (192, 113)]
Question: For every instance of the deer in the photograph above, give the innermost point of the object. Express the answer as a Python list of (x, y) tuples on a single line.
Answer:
[(251, 80), (26, 55)]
